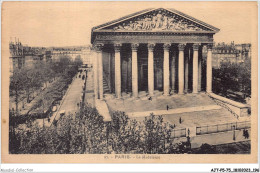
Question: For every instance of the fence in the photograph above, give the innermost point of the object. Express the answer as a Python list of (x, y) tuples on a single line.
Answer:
[(222, 127), (179, 133)]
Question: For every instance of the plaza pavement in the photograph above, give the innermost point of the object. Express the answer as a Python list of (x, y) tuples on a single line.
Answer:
[(193, 109), (159, 103), (174, 111)]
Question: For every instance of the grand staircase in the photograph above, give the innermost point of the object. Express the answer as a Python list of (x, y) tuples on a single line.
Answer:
[(105, 87)]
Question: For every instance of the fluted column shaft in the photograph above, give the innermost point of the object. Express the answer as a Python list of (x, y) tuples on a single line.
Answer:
[(199, 76), (195, 68), (134, 70), (117, 70), (209, 68), (151, 69), (173, 71), (95, 68), (100, 69), (186, 71), (181, 68), (166, 70)]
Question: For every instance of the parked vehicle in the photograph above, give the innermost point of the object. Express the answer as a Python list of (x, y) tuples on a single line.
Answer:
[(62, 113)]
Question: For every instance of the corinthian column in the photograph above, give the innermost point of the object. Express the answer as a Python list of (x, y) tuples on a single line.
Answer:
[(195, 68), (134, 70), (199, 77), (181, 68), (95, 68), (209, 68), (173, 70), (150, 69), (166, 68), (100, 69), (117, 70), (186, 71)]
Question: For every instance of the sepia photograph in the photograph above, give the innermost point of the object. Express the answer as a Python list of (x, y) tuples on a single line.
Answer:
[(129, 82)]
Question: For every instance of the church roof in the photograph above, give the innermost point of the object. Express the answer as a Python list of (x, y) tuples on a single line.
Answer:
[(106, 27)]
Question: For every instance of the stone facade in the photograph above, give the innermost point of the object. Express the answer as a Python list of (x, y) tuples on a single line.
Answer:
[(24, 56), (155, 49), (234, 53)]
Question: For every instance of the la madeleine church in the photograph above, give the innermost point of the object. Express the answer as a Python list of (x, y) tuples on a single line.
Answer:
[(154, 49)]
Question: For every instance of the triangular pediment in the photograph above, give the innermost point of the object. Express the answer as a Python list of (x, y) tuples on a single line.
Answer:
[(156, 20)]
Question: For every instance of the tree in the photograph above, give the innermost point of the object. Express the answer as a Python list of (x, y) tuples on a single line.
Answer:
[(33, 80), (157, 135), (233, 77), (63, 62), (244, 77), (78, 61), (86, 132), (124, 134), (225, 78), (17, 85)]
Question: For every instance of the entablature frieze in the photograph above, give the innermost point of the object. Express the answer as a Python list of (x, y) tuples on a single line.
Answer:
[(111, 39)]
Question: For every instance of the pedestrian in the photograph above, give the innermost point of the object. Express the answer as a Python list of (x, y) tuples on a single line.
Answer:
[(188, 132), (188, 142), (180, 120), (244, 133), (167, 107), (247, 134), (49, 119)]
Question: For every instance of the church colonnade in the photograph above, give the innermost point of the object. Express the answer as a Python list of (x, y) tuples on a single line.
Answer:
[(182, 65)]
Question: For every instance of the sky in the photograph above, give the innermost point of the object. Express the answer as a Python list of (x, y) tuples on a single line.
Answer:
[(69, 23)]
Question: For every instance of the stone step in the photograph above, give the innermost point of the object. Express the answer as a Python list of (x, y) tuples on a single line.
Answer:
[(142, 94), (109, 96), (126, 95), (157, 94)]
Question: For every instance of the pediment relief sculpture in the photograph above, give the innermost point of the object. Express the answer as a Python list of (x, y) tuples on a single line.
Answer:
[(156, 22)]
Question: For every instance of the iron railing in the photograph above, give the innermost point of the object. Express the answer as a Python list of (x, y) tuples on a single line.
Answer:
[(200, 130), (178, 133)]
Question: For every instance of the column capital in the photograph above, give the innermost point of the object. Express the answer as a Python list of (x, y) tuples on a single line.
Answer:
[(196, 46), (98, 47), (181, 47), (134, 46), (166, 46), (151, 46), (204, 46), (210, 46), (117, 47)]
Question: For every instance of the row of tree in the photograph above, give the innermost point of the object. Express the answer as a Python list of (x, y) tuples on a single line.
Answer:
[(234, 77), (86, 132), (26, 81)]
